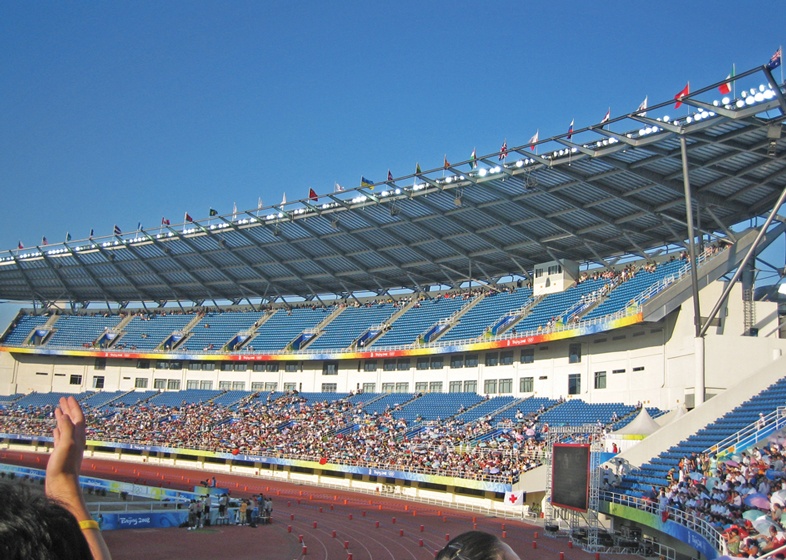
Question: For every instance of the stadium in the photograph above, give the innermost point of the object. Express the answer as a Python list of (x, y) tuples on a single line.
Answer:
[(433, 336)]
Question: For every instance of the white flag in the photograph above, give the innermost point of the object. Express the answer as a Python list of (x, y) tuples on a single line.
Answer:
[(514, 498)]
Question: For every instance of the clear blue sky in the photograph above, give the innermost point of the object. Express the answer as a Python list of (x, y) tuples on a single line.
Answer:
[(127, 112)]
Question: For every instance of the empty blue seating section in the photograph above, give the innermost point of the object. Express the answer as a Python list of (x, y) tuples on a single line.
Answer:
[(531, 405), (743, 416), (554, 306), (488, 407), (624, 293), (150, 331), (576, 412), (133, 398), (218, 329), (352, 322), (101, 399), (231, 398), (436, 406), (80, 330), (46, 399), (312, 398), (493, 306), (417, 319), (180, 398), (388, 402), (284, 325), (24, 325)]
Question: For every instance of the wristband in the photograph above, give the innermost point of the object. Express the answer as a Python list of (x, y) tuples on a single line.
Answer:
[(89, 524)]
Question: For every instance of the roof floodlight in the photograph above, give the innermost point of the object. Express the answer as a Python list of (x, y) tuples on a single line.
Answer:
[(759, 97), (449, 180), (520, 163), (769, 94), (744, 94), (750, 100), (753, 91), (397, 191), (666, 118), (740, 104), (642, 132), (715, 103), (762, 88), (688, 120), (725, 100)]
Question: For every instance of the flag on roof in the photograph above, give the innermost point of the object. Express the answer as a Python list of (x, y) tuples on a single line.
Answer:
[(234, 210), (534, 140), (91, 234), (117, 230), (259, 203), (473, 159), (503, 151), (682, 94), (570, 129), (445, 162), (607, 117), (366, 182), (390, 175), (642, 110), (417, 169), (164, 222), (725, 87), (312, 195), (68, 237), (213, 212), (338, 188), (44, 241), (283, 199), (139, 226), (775, 60), (20, 246), (188, 217)]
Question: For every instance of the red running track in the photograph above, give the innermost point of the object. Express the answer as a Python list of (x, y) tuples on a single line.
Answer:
[(309, 523)]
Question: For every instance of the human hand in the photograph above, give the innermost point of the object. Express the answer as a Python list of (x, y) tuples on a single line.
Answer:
[(65, 462)]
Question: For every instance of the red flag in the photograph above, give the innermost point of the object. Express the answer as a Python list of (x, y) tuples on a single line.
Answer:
[(20, 246), (503, 151), (446, 163), (607, 117), (725, 87), (390, 175), (312, 194), (164, 222), (189, 218), (684, 92), (534, 140)]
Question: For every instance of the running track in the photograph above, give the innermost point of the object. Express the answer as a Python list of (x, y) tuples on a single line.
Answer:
[(309, 523)]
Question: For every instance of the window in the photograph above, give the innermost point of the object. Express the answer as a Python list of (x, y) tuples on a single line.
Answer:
[(435, 387), (437, 362), (456, 362), (600, 379), (527, 355), (369, 387), (402, 387), (159, 384), (176, 365), (330, 368), (98, 382), (238, 385), (140, 383), (492, 359), (471, 360), (192, 384), (290, 386), (421, 386), (574, 353), (100, 363), (208, 366), (273, 366), (162, 365), (271, 386), (241, 366), (388, 387), (527, 384), (490, 386), (370, 365), (471, 386), (224, 385), (75, 379), (555, 269), (173, 384), (41, 373), (258, 367), (506, 358), (505, 386), (403, 364), (206, 385), (618, 371), (194, 366), (292, 367), (257, 386), (638, 368), (227, 366), (389, 365), (329, 387), (422, 363), (574, 383), (454, 387)]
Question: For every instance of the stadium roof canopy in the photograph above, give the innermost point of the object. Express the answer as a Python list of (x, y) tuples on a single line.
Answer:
[(598, 194)]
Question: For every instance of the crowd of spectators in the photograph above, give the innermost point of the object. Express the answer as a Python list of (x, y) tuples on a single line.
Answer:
[(338, 432)]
